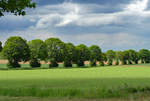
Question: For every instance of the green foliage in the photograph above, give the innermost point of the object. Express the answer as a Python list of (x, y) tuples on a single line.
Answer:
[(110, 56), (133, 56), (101, 63), (34, 63), (83, 54), (55, 50), (130, 56), (93, 63), (126, 56), (70, 54), (0, 46), (117, 62), (95, 54), (103, 57), (16, 50), (38, 52), (121, 56), (13, 64), (80, 63), (16, 7), (53, 63), (144, 55), (67, 63)]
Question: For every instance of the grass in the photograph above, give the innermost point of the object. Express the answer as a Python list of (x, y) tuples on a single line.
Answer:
[(100, 82), (2, 98)]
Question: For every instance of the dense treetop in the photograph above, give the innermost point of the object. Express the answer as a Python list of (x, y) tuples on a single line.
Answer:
[(38, 52), (16, 50), (0, 46), (16, 7)]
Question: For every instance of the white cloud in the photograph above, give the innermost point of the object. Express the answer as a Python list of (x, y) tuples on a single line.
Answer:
[(70, 17), (69, 13), (137, 5)]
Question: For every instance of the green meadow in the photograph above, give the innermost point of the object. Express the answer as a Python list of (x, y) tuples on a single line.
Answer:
[(88, 83)]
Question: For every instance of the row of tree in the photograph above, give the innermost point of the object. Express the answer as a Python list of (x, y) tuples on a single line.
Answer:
[(54, 50)]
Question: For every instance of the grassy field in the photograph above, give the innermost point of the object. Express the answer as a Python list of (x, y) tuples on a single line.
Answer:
[(94, 83)]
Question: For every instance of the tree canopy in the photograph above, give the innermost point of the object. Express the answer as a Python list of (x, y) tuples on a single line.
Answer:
[(55, 50), (144, 55), (16, 50), (95, 54), (17, 7), (69, 54), (38, 52), (110, 56), (83, 54), (133, 56), (0, 46)]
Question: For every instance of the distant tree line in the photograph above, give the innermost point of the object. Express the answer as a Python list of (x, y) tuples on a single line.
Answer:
[(54, 51)]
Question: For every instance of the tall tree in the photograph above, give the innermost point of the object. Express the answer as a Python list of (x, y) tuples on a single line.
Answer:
[(103, 59), (119, 56), (125, 57), (83, 54), (133, 56), (144, 56), (0, 46), (55, 49), (95, 54), (38, 52), (16, 50), (16, 7), (110, 56), (70, 54)]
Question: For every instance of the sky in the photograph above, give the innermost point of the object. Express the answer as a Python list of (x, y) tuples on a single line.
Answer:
[(111, 24)]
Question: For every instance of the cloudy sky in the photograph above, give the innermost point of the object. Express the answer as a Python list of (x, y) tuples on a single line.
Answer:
[(111, 24)]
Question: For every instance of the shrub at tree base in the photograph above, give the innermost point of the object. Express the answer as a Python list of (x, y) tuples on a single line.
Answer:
[(80, 63), (67, 63), (117, 62), (101, 63), (93, 63), (13, 64), (35, 63), (109, 62), (124, 62), (53, 63)]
